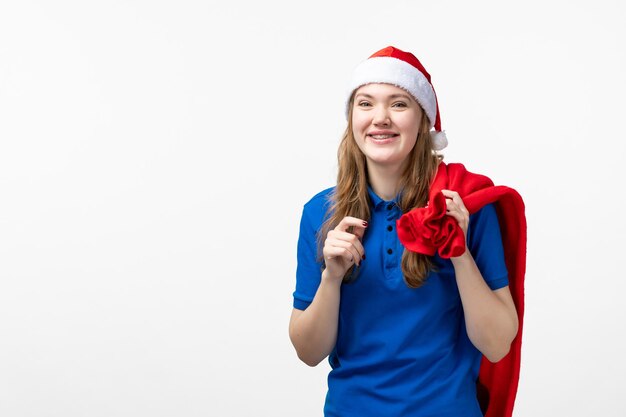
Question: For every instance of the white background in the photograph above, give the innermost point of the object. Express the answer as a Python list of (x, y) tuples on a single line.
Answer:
[(155, 157)]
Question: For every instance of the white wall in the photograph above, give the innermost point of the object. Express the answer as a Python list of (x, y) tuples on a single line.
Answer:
[(155, 157)]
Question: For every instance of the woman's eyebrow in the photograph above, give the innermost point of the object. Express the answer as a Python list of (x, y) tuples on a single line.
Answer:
[(391, 96), (400, 95)]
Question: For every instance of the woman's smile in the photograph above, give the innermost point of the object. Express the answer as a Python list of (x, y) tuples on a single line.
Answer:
[(382, 137)]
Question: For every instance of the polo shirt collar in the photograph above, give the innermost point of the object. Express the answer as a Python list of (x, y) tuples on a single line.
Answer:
[(378, 202)]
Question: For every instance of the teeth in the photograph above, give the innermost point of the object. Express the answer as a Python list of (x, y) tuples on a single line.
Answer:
[(382, 136)]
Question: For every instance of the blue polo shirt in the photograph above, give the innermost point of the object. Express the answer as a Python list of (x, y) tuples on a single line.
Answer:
[(399, 351)]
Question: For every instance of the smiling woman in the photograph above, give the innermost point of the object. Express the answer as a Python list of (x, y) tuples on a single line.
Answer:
[(401, 285)]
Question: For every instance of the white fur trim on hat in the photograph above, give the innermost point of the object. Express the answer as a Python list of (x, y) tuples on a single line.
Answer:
[(440, 140), (399, 73)]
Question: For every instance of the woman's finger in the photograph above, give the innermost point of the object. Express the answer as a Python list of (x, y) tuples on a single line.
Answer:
[(451, 206), (354, 253), (341, 249), (351, 238), (358, 225), (456, 198)]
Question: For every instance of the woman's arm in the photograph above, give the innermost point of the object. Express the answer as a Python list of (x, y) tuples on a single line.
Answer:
[(313, 332), (490, 316)]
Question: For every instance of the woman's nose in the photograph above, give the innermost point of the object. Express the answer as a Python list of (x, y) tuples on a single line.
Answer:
[(381, 117)]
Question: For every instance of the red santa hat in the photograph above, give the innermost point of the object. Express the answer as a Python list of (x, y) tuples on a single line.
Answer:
[(393, 66)]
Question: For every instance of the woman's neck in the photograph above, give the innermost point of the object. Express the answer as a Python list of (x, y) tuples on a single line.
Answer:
[(385, 180)]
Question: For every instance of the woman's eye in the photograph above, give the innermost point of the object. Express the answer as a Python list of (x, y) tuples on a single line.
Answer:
[(364, 103), (400, 104)]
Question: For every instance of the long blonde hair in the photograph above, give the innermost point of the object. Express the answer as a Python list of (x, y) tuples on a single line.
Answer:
[(350, 196)]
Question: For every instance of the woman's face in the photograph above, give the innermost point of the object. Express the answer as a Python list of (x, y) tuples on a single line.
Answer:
[(385, 123)]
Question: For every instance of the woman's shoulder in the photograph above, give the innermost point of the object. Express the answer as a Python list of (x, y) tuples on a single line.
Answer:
[(317, 206), (459, 171), (321, 198)]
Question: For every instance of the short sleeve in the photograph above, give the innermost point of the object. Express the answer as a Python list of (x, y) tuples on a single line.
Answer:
[(308, 271), (485, 244)]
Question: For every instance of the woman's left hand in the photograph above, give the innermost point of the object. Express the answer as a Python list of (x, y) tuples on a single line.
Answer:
[(457, 209)]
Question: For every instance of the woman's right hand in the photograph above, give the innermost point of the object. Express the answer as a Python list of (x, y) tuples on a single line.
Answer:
[(342, 248)]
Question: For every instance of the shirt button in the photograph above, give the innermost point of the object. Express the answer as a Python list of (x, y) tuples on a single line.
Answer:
[(389, 251), (390, 228), (389, 206)]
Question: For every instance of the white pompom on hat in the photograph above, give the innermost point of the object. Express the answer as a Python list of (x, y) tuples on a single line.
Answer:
[(393, 66)]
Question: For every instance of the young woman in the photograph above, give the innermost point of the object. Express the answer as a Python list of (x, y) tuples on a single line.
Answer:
[(405, 332)]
